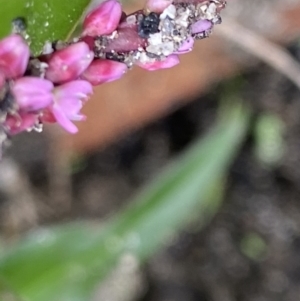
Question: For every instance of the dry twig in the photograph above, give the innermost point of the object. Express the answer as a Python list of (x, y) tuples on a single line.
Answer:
[(269, 52)]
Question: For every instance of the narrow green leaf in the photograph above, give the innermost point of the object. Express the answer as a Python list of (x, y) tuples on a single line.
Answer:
[(48, 20), (66, 262)]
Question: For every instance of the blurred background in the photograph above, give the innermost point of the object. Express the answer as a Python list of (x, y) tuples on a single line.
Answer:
[(245, 245)]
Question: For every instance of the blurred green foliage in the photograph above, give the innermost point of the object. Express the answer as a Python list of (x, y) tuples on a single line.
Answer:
[(66, 262), (253, 246), (269, 133), (47, 20)]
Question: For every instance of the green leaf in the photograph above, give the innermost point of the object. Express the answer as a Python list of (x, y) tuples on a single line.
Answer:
[(47, 20), (269, 133), (66, 262)]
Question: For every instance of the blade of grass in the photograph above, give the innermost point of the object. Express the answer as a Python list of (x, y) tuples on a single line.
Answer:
[(66, 262)]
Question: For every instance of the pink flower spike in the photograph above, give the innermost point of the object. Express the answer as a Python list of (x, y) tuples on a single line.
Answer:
[(104, 19), (103, 71), (170, 61), (15, 124), (67, 64), (186, 46), (157, 6), (201, 26), (68, 103), (14, 56), (32, 93)]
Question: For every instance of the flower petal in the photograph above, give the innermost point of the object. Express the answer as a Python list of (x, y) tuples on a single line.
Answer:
[(32, 93), (157, 6), (68, 103), (63, 120), (104, 19), (15, 124), (201, 26), (75, 89), (71, 108), (14, 56), (47, 115), (103, 71), (168, 62), (67, 64)]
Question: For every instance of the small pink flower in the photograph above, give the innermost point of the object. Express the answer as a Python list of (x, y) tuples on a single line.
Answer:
[(103, 71), (201, 26), (15, 124), (67, 64), (68, 99), (157, 6), (170, 61), (32, 93), (14, 56), (104, 19)]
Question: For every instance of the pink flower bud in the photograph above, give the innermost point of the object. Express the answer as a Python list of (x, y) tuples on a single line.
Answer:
[(103, 71), (32, 93), (67, 104), (186, 46), (14, 56), (127, 40), (170, 61), (14, 124), (67, 64), (201, 26), (157, 6), (104, 19)]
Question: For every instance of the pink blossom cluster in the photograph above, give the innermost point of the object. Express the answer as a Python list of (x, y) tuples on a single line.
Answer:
[(53, 86)]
